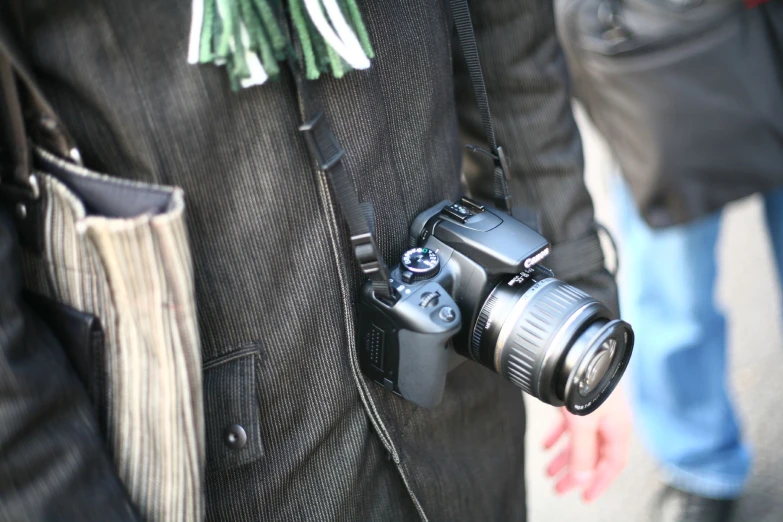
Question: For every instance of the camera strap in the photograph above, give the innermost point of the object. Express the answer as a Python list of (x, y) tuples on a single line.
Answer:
[(327, 153), (467, 40)]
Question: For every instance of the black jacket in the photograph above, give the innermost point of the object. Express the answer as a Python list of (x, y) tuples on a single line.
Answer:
[(275, 278)]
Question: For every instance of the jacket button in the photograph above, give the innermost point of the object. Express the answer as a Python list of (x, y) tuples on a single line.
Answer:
[(235, 437)]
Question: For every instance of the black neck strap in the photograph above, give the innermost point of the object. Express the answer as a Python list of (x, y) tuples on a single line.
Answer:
[(467, 40), (327, 153)]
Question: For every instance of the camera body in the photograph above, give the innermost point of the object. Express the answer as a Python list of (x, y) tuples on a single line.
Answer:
[(459, 252), (470, 287)]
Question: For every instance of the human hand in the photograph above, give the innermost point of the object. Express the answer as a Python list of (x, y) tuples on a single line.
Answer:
[(597, 448)]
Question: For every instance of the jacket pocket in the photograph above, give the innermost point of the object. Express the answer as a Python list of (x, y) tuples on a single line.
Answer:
[(231, 408)]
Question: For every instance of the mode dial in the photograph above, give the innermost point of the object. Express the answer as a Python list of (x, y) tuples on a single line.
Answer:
[(421, 263)]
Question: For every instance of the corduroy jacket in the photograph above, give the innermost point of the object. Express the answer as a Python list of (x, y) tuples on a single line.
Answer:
[(276, 282)]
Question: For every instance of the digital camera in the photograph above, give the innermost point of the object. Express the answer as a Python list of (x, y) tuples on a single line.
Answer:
[(470, 287)]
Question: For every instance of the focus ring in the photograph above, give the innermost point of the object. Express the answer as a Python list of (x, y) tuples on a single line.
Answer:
[(481, 324)]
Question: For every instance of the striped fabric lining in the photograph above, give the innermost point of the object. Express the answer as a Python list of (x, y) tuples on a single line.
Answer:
[(136, 275)]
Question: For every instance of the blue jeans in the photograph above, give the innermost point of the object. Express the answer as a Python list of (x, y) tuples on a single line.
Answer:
[(682, 406)]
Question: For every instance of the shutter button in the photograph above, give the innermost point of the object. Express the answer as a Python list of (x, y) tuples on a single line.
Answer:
[(235, 436)]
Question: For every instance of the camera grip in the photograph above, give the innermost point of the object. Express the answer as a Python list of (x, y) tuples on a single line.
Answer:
[(423, 365)]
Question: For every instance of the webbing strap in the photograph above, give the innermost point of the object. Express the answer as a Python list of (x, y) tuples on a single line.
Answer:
[(467, 39), (327, 153)]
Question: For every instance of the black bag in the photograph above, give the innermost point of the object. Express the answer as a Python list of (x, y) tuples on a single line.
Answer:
[(106, 263), (688, 94)]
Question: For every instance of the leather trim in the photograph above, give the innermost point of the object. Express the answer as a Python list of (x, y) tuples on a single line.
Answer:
[(82, 338)]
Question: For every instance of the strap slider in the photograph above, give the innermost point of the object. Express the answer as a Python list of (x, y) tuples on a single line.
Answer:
[(321, 142), (502, 161), (366, 253), (499, 158)]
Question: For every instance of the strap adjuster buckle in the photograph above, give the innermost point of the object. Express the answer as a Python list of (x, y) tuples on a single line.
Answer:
[(365, 250), (502, 161), (366, 253), (499, 159)]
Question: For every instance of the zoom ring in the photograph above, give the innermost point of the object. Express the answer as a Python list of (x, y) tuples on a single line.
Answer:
[(539, 321)]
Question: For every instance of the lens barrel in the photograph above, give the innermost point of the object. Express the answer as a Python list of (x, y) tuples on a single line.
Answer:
[(552, 340)]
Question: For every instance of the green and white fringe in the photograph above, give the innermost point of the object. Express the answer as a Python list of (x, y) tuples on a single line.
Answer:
[(246, 37)]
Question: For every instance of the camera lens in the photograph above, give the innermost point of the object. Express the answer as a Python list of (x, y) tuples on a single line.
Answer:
[(552, 340)]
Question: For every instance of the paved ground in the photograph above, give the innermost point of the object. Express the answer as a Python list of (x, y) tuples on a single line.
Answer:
[(749, 291)]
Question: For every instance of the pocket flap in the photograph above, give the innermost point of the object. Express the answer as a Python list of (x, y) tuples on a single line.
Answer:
[(80, 335), (231, 408)]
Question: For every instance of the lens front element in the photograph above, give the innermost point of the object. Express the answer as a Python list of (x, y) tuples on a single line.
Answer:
[(594, 364), (597, 368)]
